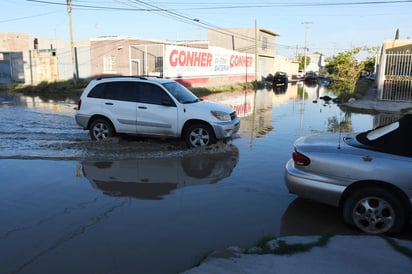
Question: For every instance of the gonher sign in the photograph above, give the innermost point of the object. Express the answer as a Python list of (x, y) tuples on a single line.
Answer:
[(193, 62)]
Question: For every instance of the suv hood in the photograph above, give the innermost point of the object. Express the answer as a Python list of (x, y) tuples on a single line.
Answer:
[(209, 106)]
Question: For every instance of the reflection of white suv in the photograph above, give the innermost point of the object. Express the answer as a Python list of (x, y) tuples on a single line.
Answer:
[(152, 107), (140, 178)]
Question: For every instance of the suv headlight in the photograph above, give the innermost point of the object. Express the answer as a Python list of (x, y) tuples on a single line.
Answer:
[(222, 116)]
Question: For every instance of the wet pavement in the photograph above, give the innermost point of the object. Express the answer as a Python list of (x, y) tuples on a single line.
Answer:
[(136, 205)]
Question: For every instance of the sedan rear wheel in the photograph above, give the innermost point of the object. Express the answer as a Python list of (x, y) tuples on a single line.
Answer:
[(101, 129), (375, 210)]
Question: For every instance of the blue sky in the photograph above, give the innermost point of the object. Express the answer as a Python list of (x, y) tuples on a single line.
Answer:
[(333, 26)]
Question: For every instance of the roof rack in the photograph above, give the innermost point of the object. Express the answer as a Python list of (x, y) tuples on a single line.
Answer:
[(119, 76)]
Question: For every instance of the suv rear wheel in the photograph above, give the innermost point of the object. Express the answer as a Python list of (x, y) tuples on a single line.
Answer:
[(101, 129), (198, 135)]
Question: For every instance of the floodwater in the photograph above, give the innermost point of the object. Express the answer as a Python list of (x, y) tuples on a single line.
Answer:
[(132, 205)]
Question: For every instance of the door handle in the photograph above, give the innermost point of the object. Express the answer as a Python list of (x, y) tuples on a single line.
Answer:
[(141, 107), (110, 104)]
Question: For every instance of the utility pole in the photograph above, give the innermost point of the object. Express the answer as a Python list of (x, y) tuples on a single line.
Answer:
[(306, 43), (256, 50), (69, 12)]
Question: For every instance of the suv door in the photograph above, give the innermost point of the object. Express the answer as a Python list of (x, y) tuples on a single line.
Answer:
[(156, 111), (119, 104)]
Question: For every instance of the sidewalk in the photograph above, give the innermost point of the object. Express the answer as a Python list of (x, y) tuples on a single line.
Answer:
[(370, 102), (341, 255)]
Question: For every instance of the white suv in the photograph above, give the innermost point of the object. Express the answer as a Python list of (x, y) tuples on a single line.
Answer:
[(152, 107)]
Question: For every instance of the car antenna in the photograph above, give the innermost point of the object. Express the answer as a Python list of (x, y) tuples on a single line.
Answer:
[(340, 128)]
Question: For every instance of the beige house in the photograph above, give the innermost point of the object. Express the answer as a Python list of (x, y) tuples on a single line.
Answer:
[(30, 59)]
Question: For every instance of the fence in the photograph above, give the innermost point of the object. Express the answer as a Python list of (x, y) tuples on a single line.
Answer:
[(147, 60), (396, 82)]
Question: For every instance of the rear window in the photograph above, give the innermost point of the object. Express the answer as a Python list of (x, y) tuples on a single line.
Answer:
[(122, 91)]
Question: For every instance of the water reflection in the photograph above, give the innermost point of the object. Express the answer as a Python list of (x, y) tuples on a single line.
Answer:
[(280, 89), (305, 217), (153, 178), (38, 103)]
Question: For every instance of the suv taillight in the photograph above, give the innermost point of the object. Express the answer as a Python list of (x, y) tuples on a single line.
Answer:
[(300, 159), (79, 103)]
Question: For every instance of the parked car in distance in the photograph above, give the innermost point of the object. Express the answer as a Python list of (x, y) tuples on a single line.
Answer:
[(280, 78), (311, 77), (152, 107), (367, 175), (370, 77)]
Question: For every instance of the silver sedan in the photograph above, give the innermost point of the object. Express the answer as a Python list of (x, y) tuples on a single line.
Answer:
[(368, 175)]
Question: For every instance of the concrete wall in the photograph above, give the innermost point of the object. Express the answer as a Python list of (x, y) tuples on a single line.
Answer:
[(43, 59)]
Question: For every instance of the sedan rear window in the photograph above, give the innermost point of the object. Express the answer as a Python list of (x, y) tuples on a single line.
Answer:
[(394, 138), (379, 132)]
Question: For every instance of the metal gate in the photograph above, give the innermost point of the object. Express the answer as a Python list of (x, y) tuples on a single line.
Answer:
[(396, 83)]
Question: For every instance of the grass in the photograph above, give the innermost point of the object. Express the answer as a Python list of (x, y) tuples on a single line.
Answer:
[(288, 249), (283, 248), (60, 90), (57, 91)]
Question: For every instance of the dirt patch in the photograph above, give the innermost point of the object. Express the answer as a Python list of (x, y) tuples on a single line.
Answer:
[(124, 147)]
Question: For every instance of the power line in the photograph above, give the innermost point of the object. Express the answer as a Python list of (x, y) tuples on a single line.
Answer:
[(145, 6), (231, 5)]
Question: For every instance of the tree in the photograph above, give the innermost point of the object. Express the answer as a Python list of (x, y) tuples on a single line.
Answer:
[(302, 62), (369, 64), (397, 34), (344, 70)]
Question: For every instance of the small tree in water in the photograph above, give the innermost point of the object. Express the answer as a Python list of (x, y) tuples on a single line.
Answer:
[(344, 70)]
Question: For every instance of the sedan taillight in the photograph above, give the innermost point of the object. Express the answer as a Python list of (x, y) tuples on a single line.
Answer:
[(300, 159)]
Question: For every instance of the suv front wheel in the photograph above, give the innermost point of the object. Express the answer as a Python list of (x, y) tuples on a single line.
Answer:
[(101, 129), (198, 135)]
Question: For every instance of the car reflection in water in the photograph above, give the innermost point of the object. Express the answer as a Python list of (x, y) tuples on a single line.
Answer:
[(306, 217), (153, 178), (280, 89)]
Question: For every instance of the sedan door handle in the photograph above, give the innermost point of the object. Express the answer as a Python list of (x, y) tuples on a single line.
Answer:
[(141, 107), (110, 104)]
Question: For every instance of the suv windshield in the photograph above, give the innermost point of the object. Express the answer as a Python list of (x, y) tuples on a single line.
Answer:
[(181, 94)]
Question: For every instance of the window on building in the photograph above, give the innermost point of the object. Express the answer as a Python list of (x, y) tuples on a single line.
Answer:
[(109, 64), (264, 43), (159, 64)]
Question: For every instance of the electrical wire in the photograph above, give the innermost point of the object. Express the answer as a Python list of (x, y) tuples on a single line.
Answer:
[(149, 6)]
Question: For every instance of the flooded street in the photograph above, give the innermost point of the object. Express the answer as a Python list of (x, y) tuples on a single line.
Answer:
[(137, 205)]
